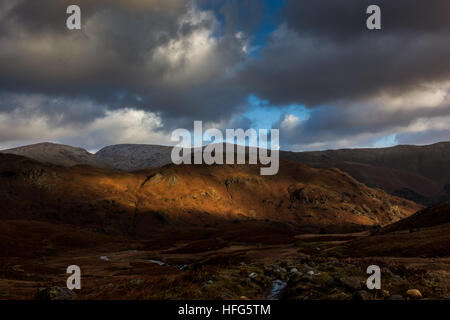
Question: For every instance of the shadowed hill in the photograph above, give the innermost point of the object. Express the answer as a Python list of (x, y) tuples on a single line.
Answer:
[(419, 173), (429, 217), (172, 197), (424, 234)]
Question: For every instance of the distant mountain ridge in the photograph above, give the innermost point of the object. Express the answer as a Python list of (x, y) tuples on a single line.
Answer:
[(132, 157), (402, 157), (58, 154), (418, 173)]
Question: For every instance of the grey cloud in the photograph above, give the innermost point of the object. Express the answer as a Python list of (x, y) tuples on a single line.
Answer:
[(423, 138), (346, 20), (325, 54), (333, 127), (313, 71), (118, 60), (322, 57)]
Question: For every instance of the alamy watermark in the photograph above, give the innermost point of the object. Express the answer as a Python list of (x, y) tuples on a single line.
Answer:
[(74, 280), (374, 20), (73, 22), (374, 281), (258, 147)]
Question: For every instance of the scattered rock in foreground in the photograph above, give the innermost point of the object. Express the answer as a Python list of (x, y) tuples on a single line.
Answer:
[(361, 295), (351, 283), (253, 275), (55, 293), (414, 294)]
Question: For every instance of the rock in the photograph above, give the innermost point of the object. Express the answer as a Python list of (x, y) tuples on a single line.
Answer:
[(209, 282), (294, 278), (55, 293), (291, 266), (269, 271), (134, 282), (333, 282), (351, 283), (395, 297), (276, 272), (173, 180), (304, 260), (253, 275), (305, 279), (361, 295), (293, 270), (310, 272), (414, 294)]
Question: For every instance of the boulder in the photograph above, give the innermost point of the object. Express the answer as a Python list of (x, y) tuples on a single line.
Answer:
[(351, 283), (253, 275), (414, 294)]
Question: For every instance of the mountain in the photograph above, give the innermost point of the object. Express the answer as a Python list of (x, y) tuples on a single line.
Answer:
[(172, 197), (426, 218), (424, 234), (419, 173), (58, 154), (131, 157)]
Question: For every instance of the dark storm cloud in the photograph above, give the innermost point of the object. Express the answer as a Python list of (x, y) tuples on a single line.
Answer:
[(366, 119), (345, 20), (325, 52), (163, 56), (45, 15), (184, 61)]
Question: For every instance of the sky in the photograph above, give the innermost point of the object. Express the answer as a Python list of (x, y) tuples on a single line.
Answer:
[(139, 69)]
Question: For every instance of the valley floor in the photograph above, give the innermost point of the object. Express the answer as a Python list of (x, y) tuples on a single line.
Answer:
[(310, 268)]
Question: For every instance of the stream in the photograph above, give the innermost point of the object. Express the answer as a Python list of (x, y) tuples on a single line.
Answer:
[(161, 263), (277, 290)]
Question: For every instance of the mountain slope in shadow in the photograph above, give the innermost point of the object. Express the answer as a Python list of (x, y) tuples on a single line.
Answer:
[(424, 234), (419, 173), (172, 197)]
